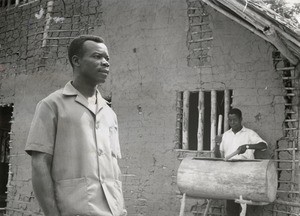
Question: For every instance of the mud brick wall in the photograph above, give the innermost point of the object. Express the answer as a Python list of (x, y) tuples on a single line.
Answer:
[(18, 55), (32, 65), (18, 44), (150, 62)]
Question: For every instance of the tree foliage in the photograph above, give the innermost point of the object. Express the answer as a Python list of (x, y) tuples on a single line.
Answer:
[(290, 11)]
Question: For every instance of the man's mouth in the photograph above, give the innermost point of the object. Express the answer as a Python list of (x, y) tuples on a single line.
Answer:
[(104, 71)]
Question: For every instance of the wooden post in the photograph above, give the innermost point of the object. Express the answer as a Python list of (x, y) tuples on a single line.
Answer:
[(213, 119), (200, 120), (185, 120), (48, 21), (182, 206), (217, 147), (244, 207), (178, 135), (207, 207), (226, 108), (220, 121)]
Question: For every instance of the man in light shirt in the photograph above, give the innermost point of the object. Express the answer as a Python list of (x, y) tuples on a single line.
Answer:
[(241, 139), (74, 143)]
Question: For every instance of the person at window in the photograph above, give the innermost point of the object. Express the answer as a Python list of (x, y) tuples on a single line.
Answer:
[(73, 141), (241, 139)]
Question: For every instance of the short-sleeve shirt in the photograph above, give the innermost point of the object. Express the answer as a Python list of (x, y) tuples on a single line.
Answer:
[(231, 141), (85, 146)]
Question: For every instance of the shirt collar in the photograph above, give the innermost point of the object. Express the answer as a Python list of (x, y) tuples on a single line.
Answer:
[(70, 90), (242, 130)]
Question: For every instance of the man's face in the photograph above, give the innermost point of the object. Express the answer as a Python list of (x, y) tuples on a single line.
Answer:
[(234, 122), (94, 62)]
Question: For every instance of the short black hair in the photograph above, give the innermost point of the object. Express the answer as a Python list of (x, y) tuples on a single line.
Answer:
[(235, 111), (76, 45)]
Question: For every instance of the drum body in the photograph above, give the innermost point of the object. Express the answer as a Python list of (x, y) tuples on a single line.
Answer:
[(254, 180)]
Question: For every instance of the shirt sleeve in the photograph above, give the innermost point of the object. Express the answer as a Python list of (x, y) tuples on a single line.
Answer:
[(255, 138), (114, 139), (41, 137)]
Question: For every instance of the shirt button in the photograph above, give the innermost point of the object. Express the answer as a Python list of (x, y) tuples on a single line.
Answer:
[(100, 152), (97, 125)]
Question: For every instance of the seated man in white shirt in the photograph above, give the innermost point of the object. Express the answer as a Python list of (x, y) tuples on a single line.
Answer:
[(238, 138)]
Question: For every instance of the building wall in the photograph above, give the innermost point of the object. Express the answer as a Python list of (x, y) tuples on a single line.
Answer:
[(147, 41)]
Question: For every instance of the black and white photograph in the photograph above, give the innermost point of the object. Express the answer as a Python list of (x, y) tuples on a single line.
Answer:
[(149, 107)]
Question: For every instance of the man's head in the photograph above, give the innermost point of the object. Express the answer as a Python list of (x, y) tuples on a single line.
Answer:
[(235, 119), (89, 58)]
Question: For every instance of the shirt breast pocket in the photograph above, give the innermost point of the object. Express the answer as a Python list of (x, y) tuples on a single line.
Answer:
[(72, 197), (104, 129)]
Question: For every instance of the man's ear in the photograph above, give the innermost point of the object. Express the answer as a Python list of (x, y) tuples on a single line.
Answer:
[(75, 60)]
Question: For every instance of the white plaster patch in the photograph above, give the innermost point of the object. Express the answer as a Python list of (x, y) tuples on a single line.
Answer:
[(58, 19), (40, 14)]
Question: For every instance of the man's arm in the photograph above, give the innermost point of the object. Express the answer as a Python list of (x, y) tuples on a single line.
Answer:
[(258, 146), (217, 152), (43, 184)]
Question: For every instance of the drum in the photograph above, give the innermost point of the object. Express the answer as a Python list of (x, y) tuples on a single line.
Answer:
[(254, 180)]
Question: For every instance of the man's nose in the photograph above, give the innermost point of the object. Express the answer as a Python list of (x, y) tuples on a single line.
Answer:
[(105, 63)]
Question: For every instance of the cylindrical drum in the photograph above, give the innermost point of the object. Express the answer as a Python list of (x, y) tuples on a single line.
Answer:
[(254, 180)]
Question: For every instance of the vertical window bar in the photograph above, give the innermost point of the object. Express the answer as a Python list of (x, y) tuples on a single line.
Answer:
[(178, 135), (200, 132), (226, 108), (185, 120), (17, 2), (213, 119), (8, 3), (220, 123)]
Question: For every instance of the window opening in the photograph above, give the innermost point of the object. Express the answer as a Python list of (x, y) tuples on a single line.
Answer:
[(5, 127), (198, 119)]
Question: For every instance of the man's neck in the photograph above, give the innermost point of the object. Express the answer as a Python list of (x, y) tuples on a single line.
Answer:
[(237, 129), (86, 89)]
